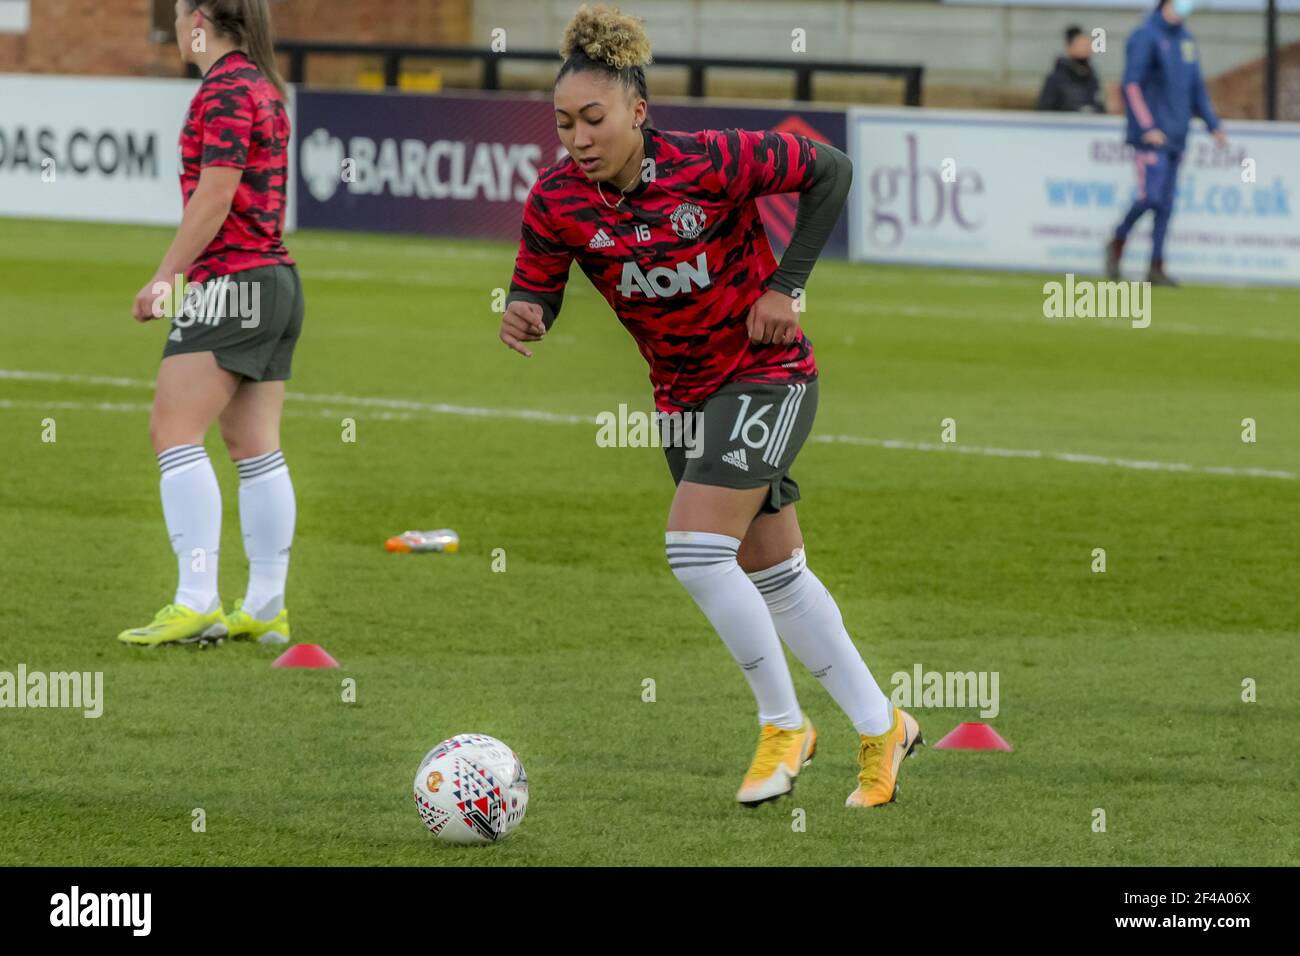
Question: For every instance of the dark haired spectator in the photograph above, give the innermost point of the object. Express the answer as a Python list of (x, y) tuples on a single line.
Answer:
[(1072, 86)]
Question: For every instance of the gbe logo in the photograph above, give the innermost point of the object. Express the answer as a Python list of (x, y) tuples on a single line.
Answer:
[(911, 196), (663, 281)]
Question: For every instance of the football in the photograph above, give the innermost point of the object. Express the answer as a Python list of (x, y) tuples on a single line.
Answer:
[(471, 789)]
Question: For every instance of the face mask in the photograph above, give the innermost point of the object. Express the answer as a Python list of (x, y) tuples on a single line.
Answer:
[(1184, 8)]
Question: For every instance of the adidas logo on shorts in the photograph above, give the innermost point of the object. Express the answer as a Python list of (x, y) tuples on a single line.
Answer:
[(600, 240), (737, 458)]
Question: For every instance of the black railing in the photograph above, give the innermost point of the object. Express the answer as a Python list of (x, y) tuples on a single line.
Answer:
[(393, 54), (1270, 61)]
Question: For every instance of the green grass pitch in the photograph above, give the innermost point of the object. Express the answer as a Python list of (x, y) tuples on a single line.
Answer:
[(1120, 691)]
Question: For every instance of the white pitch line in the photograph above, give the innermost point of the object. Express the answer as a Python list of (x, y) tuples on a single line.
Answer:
[(1032, 316), (76, 406), (22, 376), (142, 408), (435, 408), (375, 275), (442, 408), (1074, 458), (402, 409)]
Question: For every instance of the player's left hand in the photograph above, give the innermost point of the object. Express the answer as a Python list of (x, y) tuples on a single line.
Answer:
[(773, 319), (1220, 136), (143, 310)]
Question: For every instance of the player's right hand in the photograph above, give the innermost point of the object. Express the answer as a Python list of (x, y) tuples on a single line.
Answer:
[(147, 300), (1154, 136), (522, 323)]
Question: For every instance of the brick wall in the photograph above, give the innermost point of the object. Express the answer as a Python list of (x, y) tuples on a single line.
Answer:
[(114, 36), (1239, 93), (83, 36)]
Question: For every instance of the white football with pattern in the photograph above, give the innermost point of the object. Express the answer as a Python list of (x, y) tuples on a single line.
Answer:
[(471, 789)]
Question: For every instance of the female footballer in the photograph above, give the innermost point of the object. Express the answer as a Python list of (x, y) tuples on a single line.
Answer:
[(230, 347), (666, 227)]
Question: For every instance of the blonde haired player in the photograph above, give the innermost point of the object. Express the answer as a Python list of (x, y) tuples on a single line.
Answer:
[(666, 227)]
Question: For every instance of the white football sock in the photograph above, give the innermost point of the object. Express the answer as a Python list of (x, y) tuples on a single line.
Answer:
[(267, 511), (191, 501), (706, 565), (809, 621)]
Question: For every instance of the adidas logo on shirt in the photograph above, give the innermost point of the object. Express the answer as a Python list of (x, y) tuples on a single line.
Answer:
[(600, 240), (737, 458)]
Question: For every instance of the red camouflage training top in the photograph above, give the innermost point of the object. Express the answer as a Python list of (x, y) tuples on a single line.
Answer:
[(237, 118), (683, 257)]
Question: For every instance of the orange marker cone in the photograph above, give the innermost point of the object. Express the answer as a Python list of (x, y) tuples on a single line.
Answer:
[(973, 735), (305, 655)]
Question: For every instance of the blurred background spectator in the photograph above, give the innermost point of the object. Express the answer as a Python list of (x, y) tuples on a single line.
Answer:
[(1072, 86)]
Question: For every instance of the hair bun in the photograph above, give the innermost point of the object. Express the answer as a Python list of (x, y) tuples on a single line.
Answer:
[(605, 34)]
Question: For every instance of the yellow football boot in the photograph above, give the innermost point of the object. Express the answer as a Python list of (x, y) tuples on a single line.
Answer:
[(880, 757), (244, 627), (781, 755), (177, 624)]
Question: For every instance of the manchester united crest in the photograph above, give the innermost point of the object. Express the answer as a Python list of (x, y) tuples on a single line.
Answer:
[(687, 220)]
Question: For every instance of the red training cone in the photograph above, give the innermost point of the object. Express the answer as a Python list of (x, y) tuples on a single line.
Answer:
[(973, 735), (305, 655)]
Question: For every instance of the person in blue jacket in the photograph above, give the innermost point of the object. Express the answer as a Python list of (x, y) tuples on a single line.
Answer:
[(1163, 89)]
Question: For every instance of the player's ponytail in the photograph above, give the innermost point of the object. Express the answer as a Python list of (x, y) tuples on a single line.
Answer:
[(601, 39), (248, 24)]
